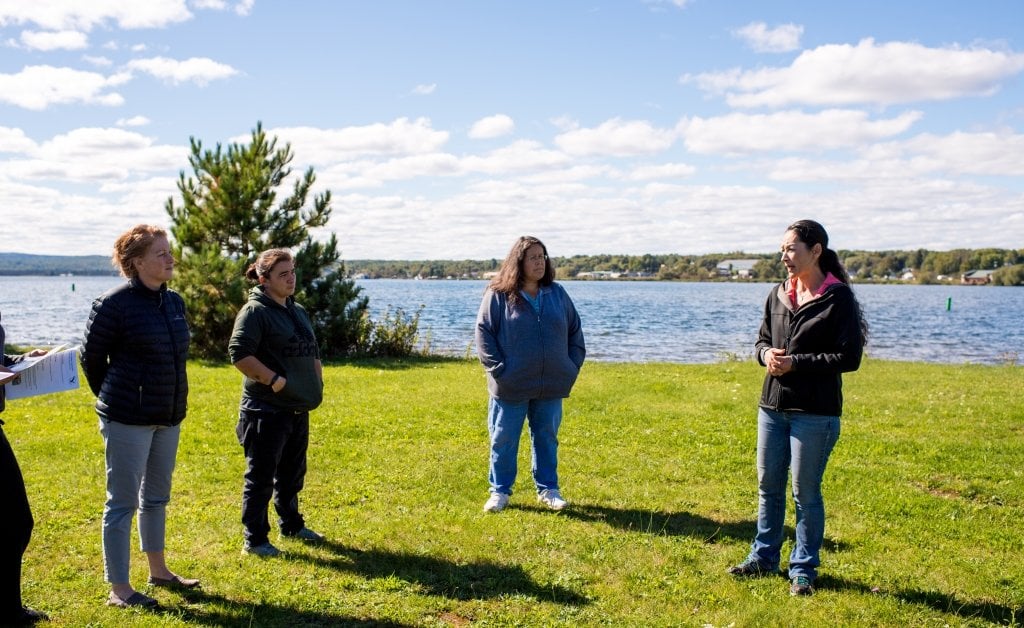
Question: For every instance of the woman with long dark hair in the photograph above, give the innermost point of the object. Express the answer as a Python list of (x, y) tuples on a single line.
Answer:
[(812, 332), (530, 342)]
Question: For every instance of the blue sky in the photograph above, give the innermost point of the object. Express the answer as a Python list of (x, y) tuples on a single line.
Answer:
[(447, 129)]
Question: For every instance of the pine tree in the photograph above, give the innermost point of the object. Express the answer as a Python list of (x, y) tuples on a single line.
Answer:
[(229, 213)]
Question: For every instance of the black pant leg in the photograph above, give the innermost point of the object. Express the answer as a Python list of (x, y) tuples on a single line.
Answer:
[(263, 436), (15, 529), (291, 475)]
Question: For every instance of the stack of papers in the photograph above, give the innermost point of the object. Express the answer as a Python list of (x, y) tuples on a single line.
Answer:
[(56, 371)]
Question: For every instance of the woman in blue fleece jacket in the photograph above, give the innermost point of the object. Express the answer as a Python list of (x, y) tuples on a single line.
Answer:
[(530, 342)]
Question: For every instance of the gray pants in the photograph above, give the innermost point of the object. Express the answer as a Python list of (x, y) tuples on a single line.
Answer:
[(140, 461)]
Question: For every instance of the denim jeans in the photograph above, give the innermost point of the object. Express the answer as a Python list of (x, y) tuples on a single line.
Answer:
[(140, 461), (275, 445), (505, 425), (801, 442)]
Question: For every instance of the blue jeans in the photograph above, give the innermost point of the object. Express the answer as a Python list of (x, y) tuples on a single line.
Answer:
[(140, 461), (505, 425), (802, 442)]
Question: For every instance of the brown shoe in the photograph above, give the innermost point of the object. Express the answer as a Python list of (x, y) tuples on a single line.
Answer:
[(174, 582), (135, 599)]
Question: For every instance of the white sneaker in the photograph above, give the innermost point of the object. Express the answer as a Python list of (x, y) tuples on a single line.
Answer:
[(496, 502), (551, 498)]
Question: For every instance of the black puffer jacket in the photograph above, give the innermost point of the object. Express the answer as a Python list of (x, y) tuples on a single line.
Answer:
[(824, 337), (136, 346)]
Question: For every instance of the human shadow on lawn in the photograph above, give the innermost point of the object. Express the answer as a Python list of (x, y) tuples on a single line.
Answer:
[(436, 576), (673, 523), (209, 609), (936, 600)]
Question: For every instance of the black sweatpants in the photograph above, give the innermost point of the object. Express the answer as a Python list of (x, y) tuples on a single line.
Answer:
[(275, 445)]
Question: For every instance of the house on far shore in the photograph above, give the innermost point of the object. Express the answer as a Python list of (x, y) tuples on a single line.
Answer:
[(976, 277), (736, 268)]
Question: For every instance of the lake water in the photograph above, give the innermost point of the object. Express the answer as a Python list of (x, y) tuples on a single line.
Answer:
[(622, 321)]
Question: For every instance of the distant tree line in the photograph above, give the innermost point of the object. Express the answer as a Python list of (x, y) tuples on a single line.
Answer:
[(27, 264), (864, 266)]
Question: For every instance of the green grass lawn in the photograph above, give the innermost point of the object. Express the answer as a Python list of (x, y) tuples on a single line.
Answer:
[(924, 496)]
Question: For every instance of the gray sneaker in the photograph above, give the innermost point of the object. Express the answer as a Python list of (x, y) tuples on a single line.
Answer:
[(305, 534), (264, 550)]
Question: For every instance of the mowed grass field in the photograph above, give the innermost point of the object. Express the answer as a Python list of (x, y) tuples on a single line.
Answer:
[(924, 496)]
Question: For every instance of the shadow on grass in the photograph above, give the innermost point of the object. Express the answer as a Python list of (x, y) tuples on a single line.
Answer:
[(673, 524), (942, 602), (395, 364), (471, 581), (667, 523), (208, 609)]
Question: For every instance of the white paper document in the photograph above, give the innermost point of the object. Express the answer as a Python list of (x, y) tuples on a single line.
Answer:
[(56, 371)]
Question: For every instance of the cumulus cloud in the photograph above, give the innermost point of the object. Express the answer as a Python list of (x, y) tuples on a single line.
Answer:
[(886, 74), (661, 172), (96, 155), (101, 62), (760, 38), (39, 86), (492, 126), (424, 90), (523, 155), (133, 121), (740, 133), (399, 137), (15, 141), (198, 70), (59, 15), (54, 40), (244, 7), (616, 137)]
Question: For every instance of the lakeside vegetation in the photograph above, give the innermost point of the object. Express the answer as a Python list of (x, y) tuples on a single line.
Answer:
[(865, 266), (924, 495), (922, 265)]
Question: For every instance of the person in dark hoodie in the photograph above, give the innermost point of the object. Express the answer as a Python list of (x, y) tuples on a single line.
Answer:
[(273, 345), (134, 355), (813, 331), (529, 339), (16, 524)]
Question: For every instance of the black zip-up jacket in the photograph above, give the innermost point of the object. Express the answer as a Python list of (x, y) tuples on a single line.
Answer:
[(136, 346), (824, 338)]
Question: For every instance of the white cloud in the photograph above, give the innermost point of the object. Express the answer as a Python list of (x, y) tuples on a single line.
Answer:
[(424, 90), (78, 15), (195, 70), (15, 141), (760, 38), (887, 74), (328, 146), (740, 133), (661, 172), (95, 155), (39, 86), (102, 62), (616, 137), (492, 126), (54, 40), (133, 121), (243, 7), (523, 155)]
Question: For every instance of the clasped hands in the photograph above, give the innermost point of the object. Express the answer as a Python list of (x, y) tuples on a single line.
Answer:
[(777, 362)]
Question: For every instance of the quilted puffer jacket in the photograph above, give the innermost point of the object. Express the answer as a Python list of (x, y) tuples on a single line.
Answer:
[(136, 346)]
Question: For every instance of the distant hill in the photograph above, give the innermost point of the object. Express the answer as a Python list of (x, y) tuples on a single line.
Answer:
[(26, 264)]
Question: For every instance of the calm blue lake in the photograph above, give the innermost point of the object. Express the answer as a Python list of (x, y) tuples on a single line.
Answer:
[(622, 321)]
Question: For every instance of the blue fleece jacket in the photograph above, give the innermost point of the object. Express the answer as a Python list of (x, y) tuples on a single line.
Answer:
[(530, 354)]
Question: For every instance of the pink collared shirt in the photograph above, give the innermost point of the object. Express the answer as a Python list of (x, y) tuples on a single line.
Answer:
[(830, 280)]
